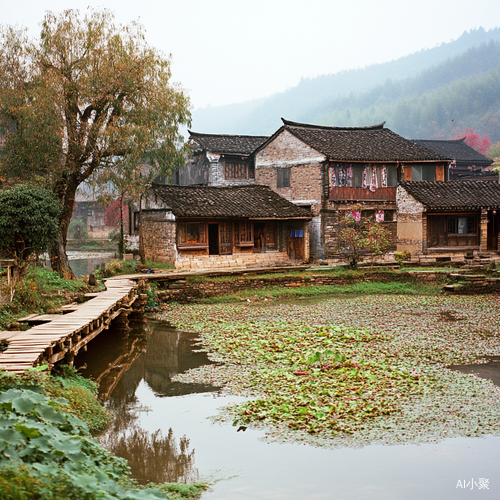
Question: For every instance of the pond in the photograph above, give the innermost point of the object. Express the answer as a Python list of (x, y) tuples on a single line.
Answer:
[(162, 428)]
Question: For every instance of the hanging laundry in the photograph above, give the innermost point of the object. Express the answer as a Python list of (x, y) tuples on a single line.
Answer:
[(384, 176), (333, 178), (349, 176), (341, 176), (373, 183), (365, 177), (379, 216)]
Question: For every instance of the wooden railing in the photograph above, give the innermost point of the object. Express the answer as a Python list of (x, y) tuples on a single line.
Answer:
[(360, 194)]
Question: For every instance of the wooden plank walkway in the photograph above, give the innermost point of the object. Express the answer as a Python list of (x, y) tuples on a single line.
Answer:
[(64, 335)]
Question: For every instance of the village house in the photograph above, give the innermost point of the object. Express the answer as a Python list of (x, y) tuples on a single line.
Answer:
[(328, 170), (218, 160), (448, 218), (467, 162), (196, 227)]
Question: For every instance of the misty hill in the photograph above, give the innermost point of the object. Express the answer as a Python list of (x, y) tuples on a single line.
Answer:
[(356, 97)]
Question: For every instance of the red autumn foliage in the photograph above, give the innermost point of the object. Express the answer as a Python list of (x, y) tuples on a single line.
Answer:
[(475, 141), (112, 214)]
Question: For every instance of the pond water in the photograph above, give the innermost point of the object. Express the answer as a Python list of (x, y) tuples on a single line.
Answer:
[(162, 428), (83, 263)]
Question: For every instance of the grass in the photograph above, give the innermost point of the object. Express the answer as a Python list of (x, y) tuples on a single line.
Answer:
[(41, 290), (356, 289)]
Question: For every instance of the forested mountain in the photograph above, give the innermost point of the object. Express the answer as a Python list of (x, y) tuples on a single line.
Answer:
[(431, 93)]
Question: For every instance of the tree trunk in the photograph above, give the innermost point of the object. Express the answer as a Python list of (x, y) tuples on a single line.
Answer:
[(141, 238), (58, 258), (121, 246), (57, 252)]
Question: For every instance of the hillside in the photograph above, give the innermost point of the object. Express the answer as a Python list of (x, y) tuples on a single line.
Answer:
[(339, 98)]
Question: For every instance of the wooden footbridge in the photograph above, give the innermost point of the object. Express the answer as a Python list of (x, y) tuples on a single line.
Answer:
[(58, 337)]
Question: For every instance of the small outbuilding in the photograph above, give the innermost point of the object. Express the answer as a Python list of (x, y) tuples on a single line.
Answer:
[(454, 218), (200, 227)]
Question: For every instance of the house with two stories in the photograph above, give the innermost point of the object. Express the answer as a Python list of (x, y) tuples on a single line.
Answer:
[(331, 169), (195, 227)]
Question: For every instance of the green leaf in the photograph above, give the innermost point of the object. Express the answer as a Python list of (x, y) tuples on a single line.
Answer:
[(11, 436), (50, 415), (43, 443), (23, 405), (87, 483), (29, 432)]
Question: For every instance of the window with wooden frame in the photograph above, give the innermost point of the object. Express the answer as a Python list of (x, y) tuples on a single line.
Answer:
[(452, 230), (243, 233), (237, 170), (283, 177), (192, 234)]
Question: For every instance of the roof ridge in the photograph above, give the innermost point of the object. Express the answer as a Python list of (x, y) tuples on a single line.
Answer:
[(441, 140), (289, 123), (199, 134)]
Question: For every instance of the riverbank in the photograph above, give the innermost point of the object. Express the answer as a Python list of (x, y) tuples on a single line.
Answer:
[(46, 446)]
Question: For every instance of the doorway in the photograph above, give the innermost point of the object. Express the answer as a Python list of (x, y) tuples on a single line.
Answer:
[(213, 239)]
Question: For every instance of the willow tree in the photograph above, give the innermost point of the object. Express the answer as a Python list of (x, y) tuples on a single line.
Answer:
[(89, 99)]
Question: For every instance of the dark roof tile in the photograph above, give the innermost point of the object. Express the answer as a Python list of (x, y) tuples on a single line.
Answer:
[(451, 195), (228, 144), (245, 202), (456, 149), (363, 144)]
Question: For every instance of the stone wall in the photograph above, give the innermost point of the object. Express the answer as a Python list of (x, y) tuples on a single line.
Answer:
[(191, 260), (159, 236), (285, 150), (473, 285), (332, 217)]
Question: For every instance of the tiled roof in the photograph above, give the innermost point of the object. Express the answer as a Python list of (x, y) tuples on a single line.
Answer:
[(456, 149), (229, 144), (363, 144), (455, 194), (245, 202)]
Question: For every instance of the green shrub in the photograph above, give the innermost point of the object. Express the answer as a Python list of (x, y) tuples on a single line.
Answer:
[(78, 230)]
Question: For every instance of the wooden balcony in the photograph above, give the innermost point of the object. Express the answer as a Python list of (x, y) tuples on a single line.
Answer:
[(360, 194)]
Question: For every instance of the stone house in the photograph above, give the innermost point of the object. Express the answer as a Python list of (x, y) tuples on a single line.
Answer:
[(219, 160), (197, 227), (448, 218), (328, 170), (467, 162)]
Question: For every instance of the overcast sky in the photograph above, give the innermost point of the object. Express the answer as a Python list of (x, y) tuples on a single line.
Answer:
[(227, 51)]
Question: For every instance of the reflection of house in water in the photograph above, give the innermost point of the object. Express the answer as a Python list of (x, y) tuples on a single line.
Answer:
[(171, 354)]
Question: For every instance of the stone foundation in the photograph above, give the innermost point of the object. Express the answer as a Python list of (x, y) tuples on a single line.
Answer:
[(203, 261)]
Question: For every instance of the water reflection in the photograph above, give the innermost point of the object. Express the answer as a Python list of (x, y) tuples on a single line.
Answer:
[(152, 457), (151, 354)]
